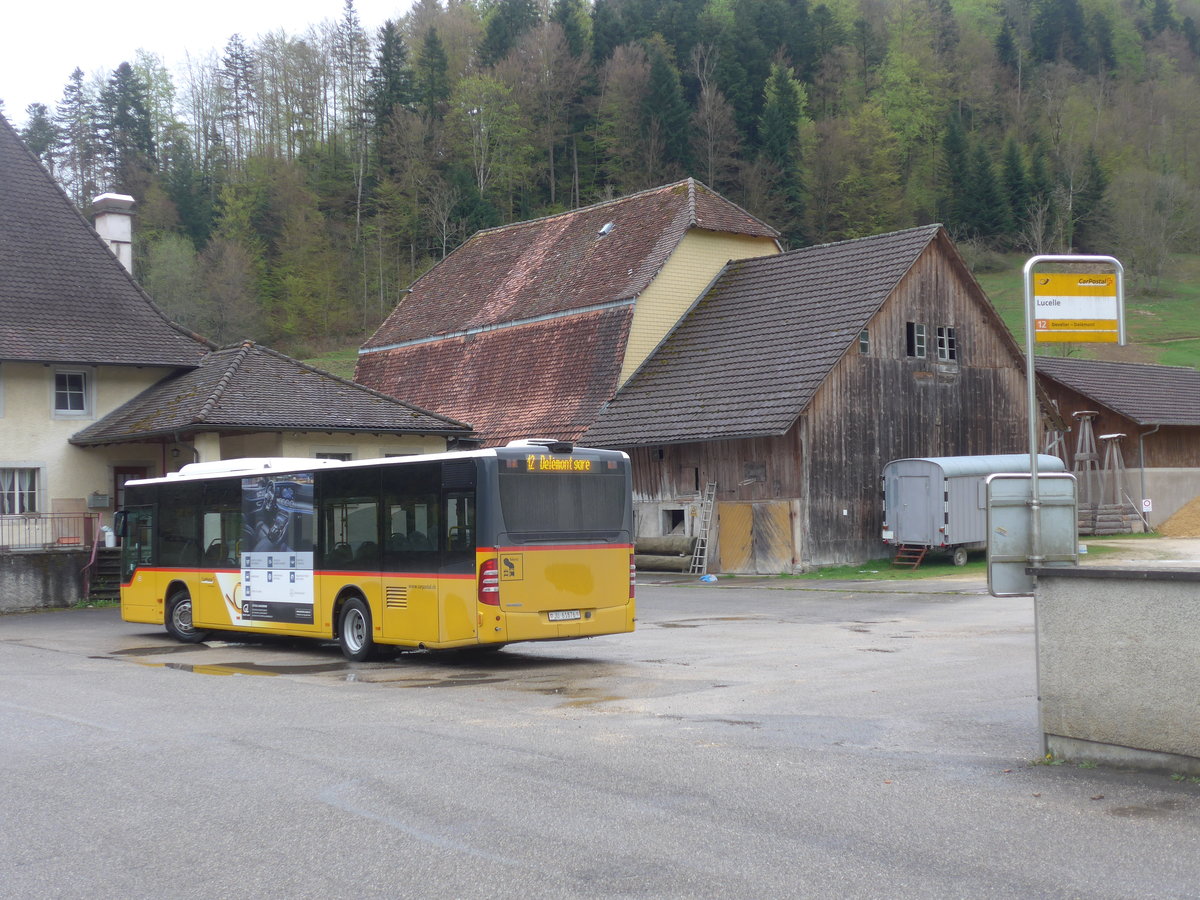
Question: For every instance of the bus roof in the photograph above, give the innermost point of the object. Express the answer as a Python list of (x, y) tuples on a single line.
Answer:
[(249, 466)]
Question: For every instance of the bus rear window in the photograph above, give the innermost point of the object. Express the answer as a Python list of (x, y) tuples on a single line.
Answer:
[(547, 506)]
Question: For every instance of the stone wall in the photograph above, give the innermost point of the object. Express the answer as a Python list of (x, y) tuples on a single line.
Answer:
[(41, 579)]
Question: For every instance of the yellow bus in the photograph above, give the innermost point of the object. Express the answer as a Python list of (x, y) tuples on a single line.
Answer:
[(482, 548)]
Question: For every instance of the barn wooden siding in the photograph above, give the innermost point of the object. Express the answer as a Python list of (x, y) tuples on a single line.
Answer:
[(871, 408), (751, 470), (884, 405), (1172, 446)]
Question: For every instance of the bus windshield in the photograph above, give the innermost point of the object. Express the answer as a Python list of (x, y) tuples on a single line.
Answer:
[(547, 506)]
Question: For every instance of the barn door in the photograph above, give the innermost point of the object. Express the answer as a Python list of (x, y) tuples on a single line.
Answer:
[(755, 538)]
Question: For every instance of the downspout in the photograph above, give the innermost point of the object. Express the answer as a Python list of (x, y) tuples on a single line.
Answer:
[(1142, 465)]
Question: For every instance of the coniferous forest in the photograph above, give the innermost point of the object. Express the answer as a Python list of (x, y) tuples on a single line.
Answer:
[(291, 187)]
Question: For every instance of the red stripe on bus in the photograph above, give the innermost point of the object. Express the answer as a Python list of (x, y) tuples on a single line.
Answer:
[(525, 548)]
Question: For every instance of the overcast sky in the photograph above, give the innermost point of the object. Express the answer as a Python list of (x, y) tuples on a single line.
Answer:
[(43, 42)]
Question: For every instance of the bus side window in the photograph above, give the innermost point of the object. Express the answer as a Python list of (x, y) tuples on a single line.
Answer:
[(460, 531), (410, 518), (179, 525), (350, 520), (221, 524)]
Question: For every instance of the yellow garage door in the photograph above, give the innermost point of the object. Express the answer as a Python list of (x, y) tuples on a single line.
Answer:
[(755, 538), (733, 537)]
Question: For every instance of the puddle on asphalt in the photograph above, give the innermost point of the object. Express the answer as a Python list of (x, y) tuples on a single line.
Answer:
[(445, 669), (158, 651), (247, 668), (577, 697), (1148, 811)]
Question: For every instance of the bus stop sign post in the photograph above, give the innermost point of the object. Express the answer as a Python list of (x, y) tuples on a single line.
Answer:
[(1086, 305)]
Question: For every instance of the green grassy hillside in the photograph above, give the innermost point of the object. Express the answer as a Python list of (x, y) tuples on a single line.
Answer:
[(1162, 323)]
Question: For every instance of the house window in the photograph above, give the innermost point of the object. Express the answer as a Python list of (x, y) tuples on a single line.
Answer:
[(340, 457), (915, 340), (18, 491), (70, 393), (864, 341), (947, 344)]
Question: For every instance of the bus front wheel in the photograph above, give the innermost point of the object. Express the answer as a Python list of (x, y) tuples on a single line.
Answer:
[(179, 619), (354, 630)]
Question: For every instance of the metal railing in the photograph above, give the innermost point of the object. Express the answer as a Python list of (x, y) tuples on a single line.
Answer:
[(49, 531)]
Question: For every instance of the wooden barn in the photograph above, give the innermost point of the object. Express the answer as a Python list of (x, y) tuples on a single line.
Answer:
[(1156, 408), (795, 378)]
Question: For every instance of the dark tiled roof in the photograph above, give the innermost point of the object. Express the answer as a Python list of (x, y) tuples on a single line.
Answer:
[(547, 266), (749, 357), (1147, 395), (255, 389), (543, 379), (63, 295)]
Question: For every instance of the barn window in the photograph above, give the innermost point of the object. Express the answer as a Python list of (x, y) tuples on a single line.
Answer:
[(753, 472), (947, 343), (916, 340), (864, 341), (689, 478)]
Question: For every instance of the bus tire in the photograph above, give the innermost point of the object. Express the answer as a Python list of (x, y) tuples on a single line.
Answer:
[(354, 630), (178, 619)]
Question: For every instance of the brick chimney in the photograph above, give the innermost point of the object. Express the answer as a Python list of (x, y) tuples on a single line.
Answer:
[(112, 217)]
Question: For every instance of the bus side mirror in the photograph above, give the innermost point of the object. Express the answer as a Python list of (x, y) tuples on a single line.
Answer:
[(119, 520)]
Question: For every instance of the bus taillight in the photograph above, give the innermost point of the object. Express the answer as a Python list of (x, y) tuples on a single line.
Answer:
[(489, 582), (632, 576)]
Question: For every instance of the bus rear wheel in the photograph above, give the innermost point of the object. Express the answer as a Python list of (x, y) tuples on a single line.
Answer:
[(178, 619), (354, 630)]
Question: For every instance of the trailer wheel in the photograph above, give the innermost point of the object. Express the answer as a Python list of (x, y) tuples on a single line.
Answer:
[(960, 556)]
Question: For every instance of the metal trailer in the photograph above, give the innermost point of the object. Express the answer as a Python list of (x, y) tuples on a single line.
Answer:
[(940, 503)]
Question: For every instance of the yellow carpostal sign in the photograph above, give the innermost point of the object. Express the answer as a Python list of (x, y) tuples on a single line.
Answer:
[(1076, 307)]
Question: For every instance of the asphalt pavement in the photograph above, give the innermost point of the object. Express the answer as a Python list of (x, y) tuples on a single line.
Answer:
[(753, 738)]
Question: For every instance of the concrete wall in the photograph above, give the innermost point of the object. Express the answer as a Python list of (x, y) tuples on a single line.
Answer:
[(1168, 489), (41, 580), (1119, 665)]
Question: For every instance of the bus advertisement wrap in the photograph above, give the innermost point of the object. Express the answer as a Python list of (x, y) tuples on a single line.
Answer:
[(278, 543)]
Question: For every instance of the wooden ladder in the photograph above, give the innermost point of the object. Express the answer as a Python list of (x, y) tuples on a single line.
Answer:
[(700, 551), (909, 555)]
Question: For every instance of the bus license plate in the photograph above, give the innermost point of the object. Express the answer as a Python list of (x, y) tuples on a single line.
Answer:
[(562, 615)]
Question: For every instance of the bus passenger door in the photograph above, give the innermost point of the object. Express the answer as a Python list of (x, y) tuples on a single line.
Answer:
[(457, 590), (217, 598), (139, 599), (410, 555)]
